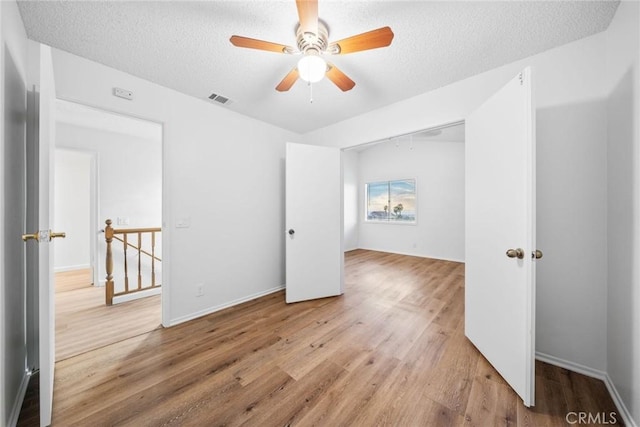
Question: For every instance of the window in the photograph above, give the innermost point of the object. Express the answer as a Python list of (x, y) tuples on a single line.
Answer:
[(391, 201)]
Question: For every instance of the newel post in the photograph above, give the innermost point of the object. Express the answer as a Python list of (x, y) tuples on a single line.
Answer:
[(108, 236)]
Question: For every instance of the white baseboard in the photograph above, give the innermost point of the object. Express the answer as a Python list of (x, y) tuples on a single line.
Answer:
[(17, 404), (136, 295), (572, 366), (593, 373), (210, 310), (622, 408), (71, 268), (413, 254)]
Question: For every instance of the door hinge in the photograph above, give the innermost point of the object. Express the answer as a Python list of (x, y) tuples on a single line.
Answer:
[(521, 77)]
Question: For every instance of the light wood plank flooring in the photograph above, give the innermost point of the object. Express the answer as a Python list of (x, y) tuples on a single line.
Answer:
[(84, 322), (390, 351), (72, 280)]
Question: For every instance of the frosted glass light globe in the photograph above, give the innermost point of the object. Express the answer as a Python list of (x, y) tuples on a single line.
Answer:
[(312, 68)]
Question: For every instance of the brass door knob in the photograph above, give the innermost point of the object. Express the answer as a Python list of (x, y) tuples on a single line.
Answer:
[(45, 235), (537, 254), (34, 236), (515, 253)]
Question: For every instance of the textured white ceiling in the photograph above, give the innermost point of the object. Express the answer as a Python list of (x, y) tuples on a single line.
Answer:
[(185, 46)]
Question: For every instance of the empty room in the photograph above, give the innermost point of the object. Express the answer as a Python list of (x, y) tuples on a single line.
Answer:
[(407, 213)]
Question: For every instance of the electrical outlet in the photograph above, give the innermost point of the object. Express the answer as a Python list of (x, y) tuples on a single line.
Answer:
[(199, 290), (123, 93)]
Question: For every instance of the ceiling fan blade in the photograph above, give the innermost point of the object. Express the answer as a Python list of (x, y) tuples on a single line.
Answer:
[(288, 80), (308, 15), (247, 42), (339, 78), (370, 40)]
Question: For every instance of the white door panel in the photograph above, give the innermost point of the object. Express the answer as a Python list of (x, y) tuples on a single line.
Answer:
[(314, 253), (40, 171), (500, 215)]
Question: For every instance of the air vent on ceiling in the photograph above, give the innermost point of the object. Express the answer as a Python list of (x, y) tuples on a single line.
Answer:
[(219, 98)]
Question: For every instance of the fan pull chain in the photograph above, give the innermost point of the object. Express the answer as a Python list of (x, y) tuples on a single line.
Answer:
[(310, 93)]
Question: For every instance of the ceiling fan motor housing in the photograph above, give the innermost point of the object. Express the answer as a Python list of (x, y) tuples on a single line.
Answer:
[(308, 41)]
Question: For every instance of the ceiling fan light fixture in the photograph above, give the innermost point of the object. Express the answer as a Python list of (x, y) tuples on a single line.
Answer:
[(312, 68), (312, 42)]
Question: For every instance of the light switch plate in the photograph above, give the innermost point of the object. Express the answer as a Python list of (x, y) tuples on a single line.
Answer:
[(183, 223)]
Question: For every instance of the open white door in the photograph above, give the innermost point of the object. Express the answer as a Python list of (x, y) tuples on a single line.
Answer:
[(500, 216), (40, 143), (314, 254)]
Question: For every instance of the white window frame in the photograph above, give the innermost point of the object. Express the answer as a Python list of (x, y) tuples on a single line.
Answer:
[(366, 220)]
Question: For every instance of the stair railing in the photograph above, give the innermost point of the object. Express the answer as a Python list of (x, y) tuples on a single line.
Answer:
[(127, 236)]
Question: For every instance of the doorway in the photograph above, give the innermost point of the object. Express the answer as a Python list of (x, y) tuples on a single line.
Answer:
[(74, 203), (499, 227), (433, 160), (108, 166)]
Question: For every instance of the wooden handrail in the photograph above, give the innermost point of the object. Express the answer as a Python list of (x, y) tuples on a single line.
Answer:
[(110, 234), (135, 230)]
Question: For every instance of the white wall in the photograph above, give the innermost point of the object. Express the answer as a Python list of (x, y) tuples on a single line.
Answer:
[(438, 167), (129, 185), (13, 109), (571, 128), (623, 297), (72, 209), (222, 171), (129, 173), (350, 166)]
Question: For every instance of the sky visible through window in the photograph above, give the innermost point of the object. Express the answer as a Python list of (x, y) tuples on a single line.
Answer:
[(392, 201)]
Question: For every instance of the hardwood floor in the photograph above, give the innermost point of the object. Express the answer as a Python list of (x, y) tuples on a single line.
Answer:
[(72, 280), (390, 351), (84, 322), (30, 410)]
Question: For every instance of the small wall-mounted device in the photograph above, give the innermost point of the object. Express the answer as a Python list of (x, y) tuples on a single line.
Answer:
[(122, 220), (183, 223), (123, 93)]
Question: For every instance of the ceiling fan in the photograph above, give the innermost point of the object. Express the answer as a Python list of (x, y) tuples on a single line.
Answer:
[(312, 43)]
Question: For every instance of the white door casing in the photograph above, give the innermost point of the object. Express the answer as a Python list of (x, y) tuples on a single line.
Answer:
[(314, 222), (500, 215)]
